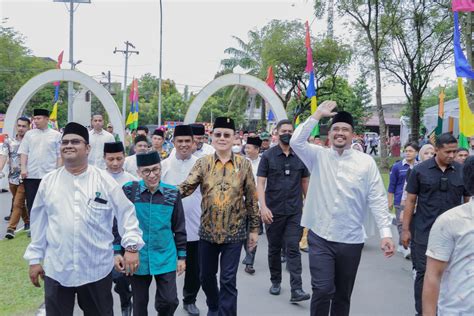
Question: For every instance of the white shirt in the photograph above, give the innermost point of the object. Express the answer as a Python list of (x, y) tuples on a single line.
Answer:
[(174, 171), (42, 147), (452, 241), (341, 189), (72, 232), (130, 165), (204, 151), (255, 164), (97, 140), (122, 177)]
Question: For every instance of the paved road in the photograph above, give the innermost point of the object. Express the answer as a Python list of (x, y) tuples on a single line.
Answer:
[(383, 286)]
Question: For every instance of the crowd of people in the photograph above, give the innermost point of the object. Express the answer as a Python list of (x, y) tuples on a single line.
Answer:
[(104, 213)]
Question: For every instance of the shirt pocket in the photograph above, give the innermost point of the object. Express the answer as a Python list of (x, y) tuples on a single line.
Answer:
[(457, 185), (96, 212)]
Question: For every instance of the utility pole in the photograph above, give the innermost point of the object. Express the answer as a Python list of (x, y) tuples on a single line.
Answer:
[(161, 57), (70, 85), (127, 52)]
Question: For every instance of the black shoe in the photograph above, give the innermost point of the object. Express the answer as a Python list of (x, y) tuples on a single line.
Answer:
[(4, 191), (26, 227), (249, 269), (283, 259), (299, 295), (10, 234), (212, 313), (275, 289), (192, 309), (7, 218), (127, 311)]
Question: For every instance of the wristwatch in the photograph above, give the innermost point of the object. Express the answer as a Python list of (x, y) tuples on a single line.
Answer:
[(132, 248)]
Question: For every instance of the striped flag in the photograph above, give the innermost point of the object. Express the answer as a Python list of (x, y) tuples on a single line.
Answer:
[(311, 89), (463, 70), (54, 113), (132, 119), (271, 83)]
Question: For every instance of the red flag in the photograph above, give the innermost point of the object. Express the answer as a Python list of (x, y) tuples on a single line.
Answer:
[(309, 51), (463, 5), (133, 97), (60, 60), (270, 78)]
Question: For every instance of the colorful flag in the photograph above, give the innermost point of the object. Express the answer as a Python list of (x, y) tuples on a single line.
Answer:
[(53, 117), (463, 5), (271, 83), (132, 119), (463, 69), (311, 89), (54, 113), (438, 130)]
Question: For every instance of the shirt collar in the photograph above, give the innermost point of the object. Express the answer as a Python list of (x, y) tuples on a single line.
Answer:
[(232, 158), (98, 133), (279, 151), (432, 164), (144, 188), (345, 153)]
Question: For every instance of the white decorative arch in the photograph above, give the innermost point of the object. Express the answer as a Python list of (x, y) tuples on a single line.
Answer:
[(28, 90), (236, 79)]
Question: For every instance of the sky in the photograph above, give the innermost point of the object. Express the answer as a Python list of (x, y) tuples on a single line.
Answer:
[(195, 35)]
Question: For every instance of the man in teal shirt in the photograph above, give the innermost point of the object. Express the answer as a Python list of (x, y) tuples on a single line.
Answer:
[(161, 218)]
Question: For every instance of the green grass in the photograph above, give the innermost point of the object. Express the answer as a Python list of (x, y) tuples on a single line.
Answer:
[(17, 295)]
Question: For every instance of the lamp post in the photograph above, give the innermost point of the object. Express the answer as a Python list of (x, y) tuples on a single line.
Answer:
[(161, 57)]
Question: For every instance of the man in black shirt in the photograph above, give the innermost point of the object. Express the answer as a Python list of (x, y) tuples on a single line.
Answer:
[(282, 179), (434, 186)]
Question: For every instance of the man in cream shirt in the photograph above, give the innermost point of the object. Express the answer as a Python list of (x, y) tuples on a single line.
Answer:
[(344, 185)]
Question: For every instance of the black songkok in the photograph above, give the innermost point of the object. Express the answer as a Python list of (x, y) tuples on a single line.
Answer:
[(148, 159), (77, 129), (224, 122), (114, 147)]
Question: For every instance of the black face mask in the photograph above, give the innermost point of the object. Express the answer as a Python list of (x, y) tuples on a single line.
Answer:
[(285, 138)]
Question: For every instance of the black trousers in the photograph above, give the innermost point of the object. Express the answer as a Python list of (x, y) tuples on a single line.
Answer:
[(333, 268), (226, 257), (31, 188), (285, 230), (166, 297), (122, 288), (93, 298), (419, 260), (191, 277)]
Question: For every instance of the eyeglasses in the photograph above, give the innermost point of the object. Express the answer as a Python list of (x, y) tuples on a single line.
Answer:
[(147, 172), (219, 135), (73, 142)]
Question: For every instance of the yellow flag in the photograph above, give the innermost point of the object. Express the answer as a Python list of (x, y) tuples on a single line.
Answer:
[(54, 114)]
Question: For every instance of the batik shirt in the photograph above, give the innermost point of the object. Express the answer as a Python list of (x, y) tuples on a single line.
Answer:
[(10, 149), (229, 198)]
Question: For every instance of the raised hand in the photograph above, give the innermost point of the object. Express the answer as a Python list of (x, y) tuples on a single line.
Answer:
[(325, 109)]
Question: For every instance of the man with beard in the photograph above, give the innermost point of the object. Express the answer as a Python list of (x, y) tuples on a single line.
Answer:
[(71, 231), (9, 152), (175, 169), (282, 180), (346, 183)]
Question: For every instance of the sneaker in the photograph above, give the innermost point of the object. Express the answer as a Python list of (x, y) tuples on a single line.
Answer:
[(275, 289), (400, 249), (10, 234), (26, 227), (299, 295)]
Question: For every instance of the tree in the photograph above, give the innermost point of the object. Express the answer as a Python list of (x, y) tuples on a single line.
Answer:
[(281, 44), (422, 41), (374, 19), (17, 66)]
